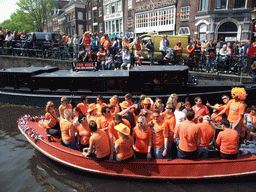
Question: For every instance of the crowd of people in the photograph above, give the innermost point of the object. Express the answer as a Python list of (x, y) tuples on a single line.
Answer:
[(122, 131), (114, 53)]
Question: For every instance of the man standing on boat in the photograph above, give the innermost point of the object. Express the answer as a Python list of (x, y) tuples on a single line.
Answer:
[(228, 141), (104, 120), (200, 110), (236, 109), (207, 136), (189, 135)]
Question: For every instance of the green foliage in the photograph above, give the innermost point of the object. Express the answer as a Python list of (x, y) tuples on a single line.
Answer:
[(19, 21), (39, 10)]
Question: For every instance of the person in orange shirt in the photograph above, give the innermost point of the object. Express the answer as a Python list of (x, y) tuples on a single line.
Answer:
[(236, 108), (216, 112), (225, 99), (228, 140), (115, 101), (52, 125), (128, 98), (83, 132), (200, 110), (189, 135), (190, 51), (102, 39), (207, 136), (83, 106), (92, 112), (86, 41), (104, 120), (178, 51), (76, 113), (170, 120), (98, 142), (106, 44), (123, 146), (142, 139), (125, 43), (138, 58), (113, 135), (160, 135), (101, 58), (68, 130), (100, 104), (137, 45), (64, 105)]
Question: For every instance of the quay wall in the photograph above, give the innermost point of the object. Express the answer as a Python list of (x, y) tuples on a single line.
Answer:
[(16, 61)]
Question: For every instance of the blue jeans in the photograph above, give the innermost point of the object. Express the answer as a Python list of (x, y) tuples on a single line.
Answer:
[(158, 152), (169, 150), (186, 155), (203, 152), (71, 145), (209, 63)]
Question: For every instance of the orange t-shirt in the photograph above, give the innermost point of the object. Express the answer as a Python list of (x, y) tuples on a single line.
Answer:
[(65, 127), (188, 132), (114, 131), (141, 139), (218, 119), (106, 44), (228, 141), (160, 131), (171, 123), (202, 111), (62, 108), (100, 142), (207, 134), (84, 133), (103, 122), (83, 107), (100, 106), (138, 46), (92, 118), (124, 148), (53, 117), (125, 44), (235, 110)]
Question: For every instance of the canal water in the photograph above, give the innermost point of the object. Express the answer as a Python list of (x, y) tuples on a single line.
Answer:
[(22, 168)]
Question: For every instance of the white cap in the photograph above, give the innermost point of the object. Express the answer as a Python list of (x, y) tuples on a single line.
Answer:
[(207, 118)]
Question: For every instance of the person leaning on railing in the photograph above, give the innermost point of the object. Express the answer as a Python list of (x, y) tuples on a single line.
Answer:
[(210, 54)]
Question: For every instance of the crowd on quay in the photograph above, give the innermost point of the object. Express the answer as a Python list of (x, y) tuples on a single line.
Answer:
[(115, 53), (123, 131)]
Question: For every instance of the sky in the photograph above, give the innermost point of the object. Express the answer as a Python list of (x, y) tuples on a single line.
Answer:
[(7, 7)]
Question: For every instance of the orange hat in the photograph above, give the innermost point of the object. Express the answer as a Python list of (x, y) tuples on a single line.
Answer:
[(124, 104), (86, 32), (122, 128), (187, 103), (92, 106), (216, 105), (146, 101)]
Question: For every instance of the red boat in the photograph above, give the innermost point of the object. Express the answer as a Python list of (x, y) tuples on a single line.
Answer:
[(154, 169)]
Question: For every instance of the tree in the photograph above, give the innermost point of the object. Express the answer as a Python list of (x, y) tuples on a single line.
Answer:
[(19, 21), (39, 10)]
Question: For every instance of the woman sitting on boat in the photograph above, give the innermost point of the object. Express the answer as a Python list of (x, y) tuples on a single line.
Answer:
[(64, 105), (98, 142), (123, 146), (142, 138), (52, 125), (68, 130), (84, 132)]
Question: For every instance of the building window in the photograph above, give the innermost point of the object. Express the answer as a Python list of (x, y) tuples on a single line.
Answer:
[(95, 18), (101, 27), (184, 31), (239, 4), (129, 4), (89, 15), (80, 15), (203, 5), (107, 9), (100, 11), (95, 28), (184, 15), (90, 28), (80, 29), (113, 5), (119, 6), (202, 29), (221, 4)]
